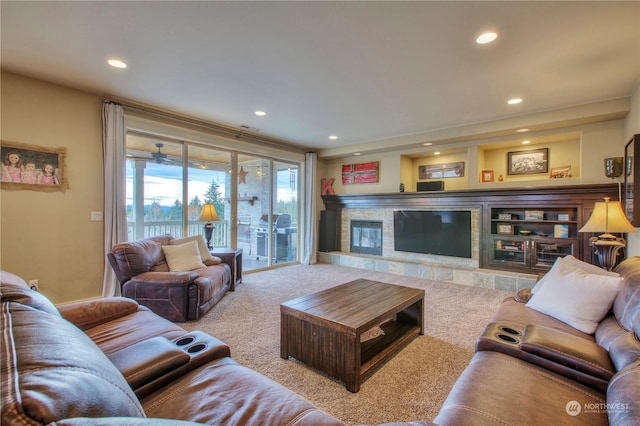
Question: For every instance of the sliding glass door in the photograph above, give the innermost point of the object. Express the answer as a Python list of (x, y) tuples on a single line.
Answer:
[(255, 198)]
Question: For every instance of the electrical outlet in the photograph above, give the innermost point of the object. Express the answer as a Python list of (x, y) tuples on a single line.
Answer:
[(34, 285)]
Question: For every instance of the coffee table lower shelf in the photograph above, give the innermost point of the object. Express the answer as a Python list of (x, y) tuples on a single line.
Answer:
[(378, 351)]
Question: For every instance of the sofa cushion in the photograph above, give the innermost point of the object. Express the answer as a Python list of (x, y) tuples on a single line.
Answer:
[(202, 246), (570, 263), (231, 394), (183, 257), (498, 389), (576, 297), (13, 288), (51, 371)]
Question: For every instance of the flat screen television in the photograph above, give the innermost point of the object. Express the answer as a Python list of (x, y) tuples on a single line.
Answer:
[(446, 232)]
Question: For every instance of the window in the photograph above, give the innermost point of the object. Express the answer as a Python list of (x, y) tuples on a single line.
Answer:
[(256, 198)]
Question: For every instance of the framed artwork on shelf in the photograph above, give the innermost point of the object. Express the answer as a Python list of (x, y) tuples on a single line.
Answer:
[(487, 176), (505, 229), (560, 172), (33, 167), (439, 171), (528, 162)]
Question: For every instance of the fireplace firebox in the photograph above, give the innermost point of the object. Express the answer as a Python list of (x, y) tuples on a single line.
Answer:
[(366, 237)]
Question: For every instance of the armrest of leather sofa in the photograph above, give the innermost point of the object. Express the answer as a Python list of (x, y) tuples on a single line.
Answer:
[(147, 360), (172, 279), (91, 313), (566, 349)]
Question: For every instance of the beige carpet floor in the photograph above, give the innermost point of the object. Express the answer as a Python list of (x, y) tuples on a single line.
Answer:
[(411, 386)]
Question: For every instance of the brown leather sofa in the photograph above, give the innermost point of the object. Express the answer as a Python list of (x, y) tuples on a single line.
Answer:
[(114, 362), (144, 275), (531, 368)]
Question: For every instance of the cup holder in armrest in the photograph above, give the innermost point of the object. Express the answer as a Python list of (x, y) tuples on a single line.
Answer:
[(507, 338), (196, 348), (202, 347), (510, 330), (500, 337), (183, 341)]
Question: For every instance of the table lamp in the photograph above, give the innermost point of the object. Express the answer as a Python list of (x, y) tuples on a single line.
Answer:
[(208, 214), (607, 217)]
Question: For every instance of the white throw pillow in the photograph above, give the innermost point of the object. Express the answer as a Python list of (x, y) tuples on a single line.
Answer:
[(202, 245), (576, 297), (183, 257), (573, 263)]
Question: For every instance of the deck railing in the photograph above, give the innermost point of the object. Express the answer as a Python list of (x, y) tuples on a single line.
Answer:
[(175, 229)]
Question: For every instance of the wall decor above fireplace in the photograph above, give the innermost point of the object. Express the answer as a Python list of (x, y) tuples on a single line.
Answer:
[(360, 173)]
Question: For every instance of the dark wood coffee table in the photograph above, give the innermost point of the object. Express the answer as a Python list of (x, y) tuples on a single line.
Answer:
[(323, 329)]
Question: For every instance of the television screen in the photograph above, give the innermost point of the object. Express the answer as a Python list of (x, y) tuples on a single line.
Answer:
[(446, 232)]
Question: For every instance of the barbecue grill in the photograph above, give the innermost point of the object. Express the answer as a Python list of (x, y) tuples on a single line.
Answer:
[(281, 231)]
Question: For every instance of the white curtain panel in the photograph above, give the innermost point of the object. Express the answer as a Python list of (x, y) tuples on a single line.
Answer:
[(309, 254), (115, 217)]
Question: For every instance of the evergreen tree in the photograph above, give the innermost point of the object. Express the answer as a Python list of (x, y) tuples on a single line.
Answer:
[(195, 206), (175, 212), (213, 196)]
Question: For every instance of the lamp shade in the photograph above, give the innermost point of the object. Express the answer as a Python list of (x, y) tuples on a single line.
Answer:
[(208, 213), (607, 217)]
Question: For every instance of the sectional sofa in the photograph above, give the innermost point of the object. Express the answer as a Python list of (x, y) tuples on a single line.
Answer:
[(566, 352), (114, 362)]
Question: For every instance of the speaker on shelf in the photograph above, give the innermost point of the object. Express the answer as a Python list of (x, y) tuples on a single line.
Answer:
[(436, 185), (328, 238)]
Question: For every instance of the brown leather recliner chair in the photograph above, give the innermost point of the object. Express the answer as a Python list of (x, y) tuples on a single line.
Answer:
[(144, 276)]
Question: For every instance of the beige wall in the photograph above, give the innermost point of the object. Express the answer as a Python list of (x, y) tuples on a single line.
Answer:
[(48, 235), (585, 153)]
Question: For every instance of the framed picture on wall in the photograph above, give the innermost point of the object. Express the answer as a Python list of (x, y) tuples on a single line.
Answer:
[(33, 167), (528, 162)]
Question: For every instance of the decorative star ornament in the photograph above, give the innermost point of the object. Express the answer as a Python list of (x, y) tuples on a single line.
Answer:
[(242, 176)]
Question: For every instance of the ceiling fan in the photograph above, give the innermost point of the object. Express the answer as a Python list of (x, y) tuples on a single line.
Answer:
[(160, 157)]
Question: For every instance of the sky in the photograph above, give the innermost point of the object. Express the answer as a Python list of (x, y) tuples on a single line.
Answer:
[(164, 184)]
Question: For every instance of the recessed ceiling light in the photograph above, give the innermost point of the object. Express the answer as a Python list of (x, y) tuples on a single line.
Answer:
[(522, 130), (436, 153), (514, 101), (526, 142), (357, 153), (260, 113), (487, 37), (116, 63), (427, 143), (333, 137)]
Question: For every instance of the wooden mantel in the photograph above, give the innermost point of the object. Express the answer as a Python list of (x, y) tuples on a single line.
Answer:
[(587, 193)]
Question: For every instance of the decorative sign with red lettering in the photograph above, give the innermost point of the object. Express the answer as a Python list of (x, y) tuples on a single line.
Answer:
[(360, 173)]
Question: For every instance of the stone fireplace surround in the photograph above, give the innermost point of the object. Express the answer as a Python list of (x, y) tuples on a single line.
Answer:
[(443, 268)]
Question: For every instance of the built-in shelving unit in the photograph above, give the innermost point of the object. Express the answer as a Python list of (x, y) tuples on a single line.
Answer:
[(553, 215), (531, 239)]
